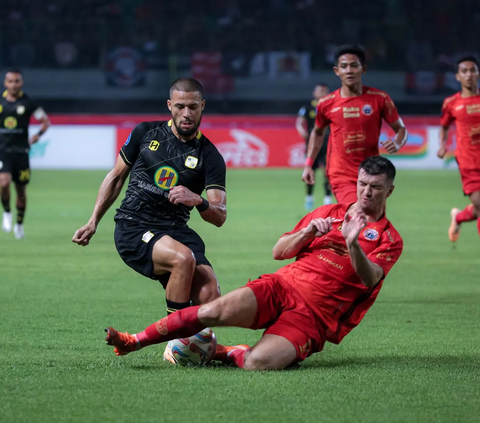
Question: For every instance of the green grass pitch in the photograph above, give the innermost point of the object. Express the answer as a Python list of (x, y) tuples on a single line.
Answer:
[(414, 358)]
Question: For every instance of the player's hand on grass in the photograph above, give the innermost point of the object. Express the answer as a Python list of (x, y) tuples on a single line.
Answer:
[(181, 195), (353, 225), (319, 227), (308, 175), (84, 234), (390, 146), (34, 139), (441, 152)]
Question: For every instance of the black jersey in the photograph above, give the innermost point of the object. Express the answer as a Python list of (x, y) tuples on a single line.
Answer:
[(160, 161), (309, 112), (14, 120)]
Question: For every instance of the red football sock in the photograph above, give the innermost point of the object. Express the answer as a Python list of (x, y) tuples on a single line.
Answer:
[(180, 324), (238, 357), (466, 215)]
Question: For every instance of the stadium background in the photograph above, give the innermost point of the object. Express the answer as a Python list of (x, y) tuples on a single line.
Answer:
[(100, 67)]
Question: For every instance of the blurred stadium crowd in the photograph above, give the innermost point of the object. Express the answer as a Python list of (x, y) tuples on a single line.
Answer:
[(408, 35)]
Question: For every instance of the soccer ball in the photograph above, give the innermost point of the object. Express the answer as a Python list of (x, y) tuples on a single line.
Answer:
[(197, 350)]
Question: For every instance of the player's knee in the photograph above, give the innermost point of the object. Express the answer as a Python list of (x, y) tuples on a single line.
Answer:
[(258, 361), (211, 313), (184, 260)]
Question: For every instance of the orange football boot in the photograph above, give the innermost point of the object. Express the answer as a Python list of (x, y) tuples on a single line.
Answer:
[(454, 229), (222, 353), (124, 343)]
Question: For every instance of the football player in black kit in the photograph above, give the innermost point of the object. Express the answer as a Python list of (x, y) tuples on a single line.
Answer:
[(304, 125), (171, 163), (16, 109)]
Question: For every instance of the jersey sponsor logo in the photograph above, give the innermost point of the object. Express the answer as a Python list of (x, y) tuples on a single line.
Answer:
[(473, 108), (335, 109), (20, 110), (384, 256), (367, 110), (330, 262), (460, 107), (154, 145), (370, 234), (247, 150), (191, 162), (128, 139), (166, 177), (147, 237), (358, 136), (351, 112), (10, 122)]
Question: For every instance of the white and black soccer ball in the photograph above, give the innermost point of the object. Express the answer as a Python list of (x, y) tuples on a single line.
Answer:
[(197, 350)]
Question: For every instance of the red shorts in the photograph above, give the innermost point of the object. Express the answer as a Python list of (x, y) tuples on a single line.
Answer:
[(283, 312), (470, 180), (345, 191)]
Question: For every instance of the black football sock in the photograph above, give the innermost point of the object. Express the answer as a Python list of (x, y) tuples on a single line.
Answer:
[(20, 215), (6, 205), (172, 306)]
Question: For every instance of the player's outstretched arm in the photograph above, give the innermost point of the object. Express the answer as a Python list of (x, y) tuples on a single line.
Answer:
[(289, 245), (370, 273), (401, 137), (443, 137), (107, 194), (213, 209), (315, 143)]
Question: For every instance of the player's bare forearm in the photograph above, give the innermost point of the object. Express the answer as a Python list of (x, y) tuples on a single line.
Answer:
[(109, 190), (369, 273), (315, 142), (288, 246), (401, 134), (45, 123), (216, 214), (300, 125)]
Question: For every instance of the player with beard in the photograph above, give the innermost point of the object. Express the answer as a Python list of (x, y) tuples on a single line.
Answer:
[(343, 253), (171, 163)]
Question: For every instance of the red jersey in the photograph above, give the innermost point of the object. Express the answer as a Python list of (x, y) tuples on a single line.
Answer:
[(355, 124), (324, 276), (466, 113)]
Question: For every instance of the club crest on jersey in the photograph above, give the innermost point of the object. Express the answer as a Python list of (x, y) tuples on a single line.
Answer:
[(191, 162), (370, 234), (367, 110), (10, 122), (20, 110), (154, 145), (166, 177)]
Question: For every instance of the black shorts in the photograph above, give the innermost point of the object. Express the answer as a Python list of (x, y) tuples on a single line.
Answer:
[(17, 164), (321, 159), (135, 241)]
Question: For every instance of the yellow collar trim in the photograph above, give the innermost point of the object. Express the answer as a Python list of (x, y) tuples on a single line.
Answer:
[(5, 93)]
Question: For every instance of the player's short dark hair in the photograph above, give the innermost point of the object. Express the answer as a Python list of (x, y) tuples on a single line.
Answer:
[(14, 70), (378, 165), (186, 85), (355, 49), (469, 58)]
